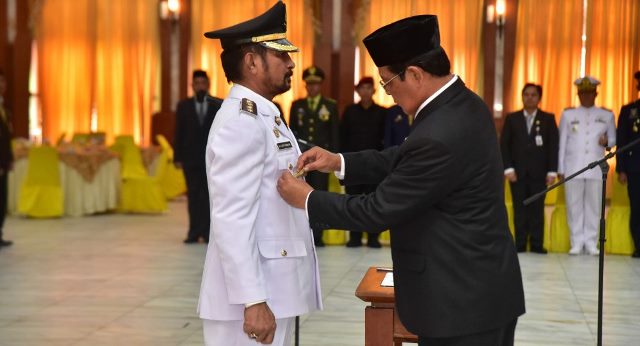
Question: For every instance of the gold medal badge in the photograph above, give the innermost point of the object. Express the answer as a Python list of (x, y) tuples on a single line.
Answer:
[(277, 119), (276, 132), (323, 113)]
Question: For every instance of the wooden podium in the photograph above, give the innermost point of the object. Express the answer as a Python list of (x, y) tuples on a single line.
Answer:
[(381, 323)]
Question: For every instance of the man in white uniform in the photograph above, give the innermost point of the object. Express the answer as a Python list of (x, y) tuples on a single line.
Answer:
[(585, 131), (261, 268)]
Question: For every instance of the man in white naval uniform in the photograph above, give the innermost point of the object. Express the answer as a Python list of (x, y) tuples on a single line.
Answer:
[(585, 131), (261, 268)]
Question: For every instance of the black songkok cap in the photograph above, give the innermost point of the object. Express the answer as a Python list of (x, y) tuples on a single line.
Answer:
[(401, 41), (199, 73), (313, 74), (268, 29)]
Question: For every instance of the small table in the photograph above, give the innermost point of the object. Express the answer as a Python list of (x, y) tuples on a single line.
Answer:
[(381, 323)]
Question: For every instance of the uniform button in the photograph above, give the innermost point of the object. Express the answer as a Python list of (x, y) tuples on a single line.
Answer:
[(283, 253), (311, 138), (290, 166), (311, 129), (311, 121)]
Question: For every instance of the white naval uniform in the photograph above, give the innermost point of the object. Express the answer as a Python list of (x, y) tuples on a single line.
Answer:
[(260, 247), (580, 130)]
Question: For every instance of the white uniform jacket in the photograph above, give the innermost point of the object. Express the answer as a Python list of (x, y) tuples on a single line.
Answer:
[(260, 247), (580, 129)]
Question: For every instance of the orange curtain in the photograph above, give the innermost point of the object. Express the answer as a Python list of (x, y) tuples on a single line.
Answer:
[(127, 63), (460, 34), (547, 52), (209, 15), (100, 54), (65, 36), (613, 50)]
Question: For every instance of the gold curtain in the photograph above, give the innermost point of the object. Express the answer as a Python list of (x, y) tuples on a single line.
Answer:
[(547, 52), (127, 62), (460, 33), (613, 50), (102, 54), (65, 36), (209, 15)]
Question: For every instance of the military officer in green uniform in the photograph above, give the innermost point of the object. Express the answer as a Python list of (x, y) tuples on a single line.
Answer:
[(315, 119)]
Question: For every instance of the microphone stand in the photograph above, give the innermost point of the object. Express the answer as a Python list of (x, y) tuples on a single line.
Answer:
[(604, 166)]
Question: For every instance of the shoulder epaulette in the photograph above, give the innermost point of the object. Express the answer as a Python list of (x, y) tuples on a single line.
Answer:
[(568, 108), (249, 107)]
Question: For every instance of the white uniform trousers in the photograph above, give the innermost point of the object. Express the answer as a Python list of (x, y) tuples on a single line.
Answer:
[(230, 333), (583, 198)]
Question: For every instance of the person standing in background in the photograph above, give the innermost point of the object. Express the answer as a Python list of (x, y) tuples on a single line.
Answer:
[(194, 116), (628, 162), (315, 119), (585, 132), (396, 127), (529, 144), (362, 128), (6, 157)]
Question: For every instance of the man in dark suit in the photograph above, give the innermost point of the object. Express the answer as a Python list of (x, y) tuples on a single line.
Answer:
[(315, 119), (628, 162), (6, 157), (361, 128), (194, 116), (455, 269), (529, 145)]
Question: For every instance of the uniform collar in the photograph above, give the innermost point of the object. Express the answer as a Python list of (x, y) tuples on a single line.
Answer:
[(265, 107)]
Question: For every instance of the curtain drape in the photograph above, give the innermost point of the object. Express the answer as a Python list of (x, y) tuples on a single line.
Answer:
[(613, 50), (460, 34), (548, 47), (209, 15), (65, 36), (102, 55)]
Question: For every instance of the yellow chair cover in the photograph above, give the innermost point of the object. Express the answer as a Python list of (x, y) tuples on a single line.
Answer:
[(334, 236), (617, 232), (124, 140), (559, 239), (508, 202), (172, 181), (140, 192), (41, 192)]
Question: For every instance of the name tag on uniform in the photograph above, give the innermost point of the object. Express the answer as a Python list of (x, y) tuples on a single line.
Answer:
[(538, 140), (284, 145)]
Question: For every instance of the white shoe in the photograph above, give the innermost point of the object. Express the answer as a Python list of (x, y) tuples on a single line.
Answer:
[(593, 251), (575, 251)]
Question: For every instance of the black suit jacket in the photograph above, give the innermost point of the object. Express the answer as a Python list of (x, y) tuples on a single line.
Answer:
[(440, 192), (320, 127), (191, 136), (628, 161), (519, 148), (6, 153)]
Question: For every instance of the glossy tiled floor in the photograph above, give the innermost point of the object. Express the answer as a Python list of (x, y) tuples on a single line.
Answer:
[(129, 280)]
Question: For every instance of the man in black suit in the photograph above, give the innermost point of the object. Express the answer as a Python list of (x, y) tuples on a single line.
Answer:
[(455, 268), (6, 157), (628, 162), (529, 145), (315, 119), (361, 128), (194, 116)]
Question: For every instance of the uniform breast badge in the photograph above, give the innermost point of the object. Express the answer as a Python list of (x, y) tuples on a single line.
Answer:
[(277, 119), (249, 107), (276, 132), (324, 113)]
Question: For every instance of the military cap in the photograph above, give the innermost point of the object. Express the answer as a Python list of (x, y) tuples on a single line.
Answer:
[(364, 80), (313, 74), (586, 83), (199, 73), (637, 75), (401, 41), (268, 29)]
